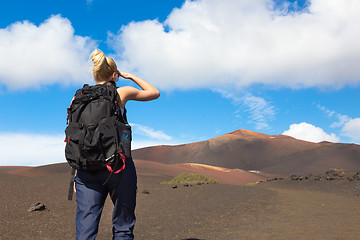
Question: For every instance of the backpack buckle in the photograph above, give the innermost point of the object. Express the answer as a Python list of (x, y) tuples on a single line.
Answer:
[(110, 158)]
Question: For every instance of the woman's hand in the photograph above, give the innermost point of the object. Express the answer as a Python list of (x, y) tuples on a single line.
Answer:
[(126, 75), (148, 92)]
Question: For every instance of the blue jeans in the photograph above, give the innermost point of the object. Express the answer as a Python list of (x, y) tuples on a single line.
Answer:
[(91, 194)]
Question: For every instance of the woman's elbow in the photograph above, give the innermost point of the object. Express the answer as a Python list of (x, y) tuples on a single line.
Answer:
[(156, 95)]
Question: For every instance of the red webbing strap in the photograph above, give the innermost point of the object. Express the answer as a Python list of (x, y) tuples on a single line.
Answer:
[(122, 168)]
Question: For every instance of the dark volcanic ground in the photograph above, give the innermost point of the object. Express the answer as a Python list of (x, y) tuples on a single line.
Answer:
[(281, 209)]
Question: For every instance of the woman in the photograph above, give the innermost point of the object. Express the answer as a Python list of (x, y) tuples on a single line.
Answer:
[(91, 192)]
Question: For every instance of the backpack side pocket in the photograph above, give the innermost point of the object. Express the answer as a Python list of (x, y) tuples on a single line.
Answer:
[(72, 151)]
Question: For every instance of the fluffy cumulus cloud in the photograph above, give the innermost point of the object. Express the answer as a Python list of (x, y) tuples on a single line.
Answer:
[(351, 129), (308, 132), (211, 43), (31, 149), (20, 149), (37, 55)]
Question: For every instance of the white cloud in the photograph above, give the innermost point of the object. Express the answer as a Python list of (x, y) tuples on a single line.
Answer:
[(261, 112), (144, 136), (308, 132), (38, 55), (351, 129), (20, 149), (31, 149), (149, 132), (211, 43), (341, 119)]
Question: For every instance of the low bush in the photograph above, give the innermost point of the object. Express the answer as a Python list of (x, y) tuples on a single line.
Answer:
[(191, 178)]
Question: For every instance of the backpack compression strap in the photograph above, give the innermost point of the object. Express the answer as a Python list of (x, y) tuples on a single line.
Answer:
[(71, 187)]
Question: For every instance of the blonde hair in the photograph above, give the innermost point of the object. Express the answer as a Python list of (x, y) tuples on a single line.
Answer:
[(103, 66)]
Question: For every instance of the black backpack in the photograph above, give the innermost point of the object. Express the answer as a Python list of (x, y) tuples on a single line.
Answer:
[(98, 135)]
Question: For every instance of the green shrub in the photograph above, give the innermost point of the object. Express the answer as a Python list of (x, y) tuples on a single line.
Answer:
[(250, 184), (191, 178), (322, 148)]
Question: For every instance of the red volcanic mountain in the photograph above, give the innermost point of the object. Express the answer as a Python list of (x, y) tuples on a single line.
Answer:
[(247, 150), (229, 159)]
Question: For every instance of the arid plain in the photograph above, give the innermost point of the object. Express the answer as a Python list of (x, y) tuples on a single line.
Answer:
[(304, 191)]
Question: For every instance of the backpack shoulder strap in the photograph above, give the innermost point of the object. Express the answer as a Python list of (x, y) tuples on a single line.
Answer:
[(115, 98)]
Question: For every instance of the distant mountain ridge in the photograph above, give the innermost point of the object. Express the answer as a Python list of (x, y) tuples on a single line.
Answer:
[(238, 152), (247, 150)]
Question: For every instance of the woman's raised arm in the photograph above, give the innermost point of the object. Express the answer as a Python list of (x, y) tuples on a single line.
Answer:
[(148, 92)]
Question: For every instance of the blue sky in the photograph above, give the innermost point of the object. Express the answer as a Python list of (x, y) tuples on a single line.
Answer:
[(275, 67)]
